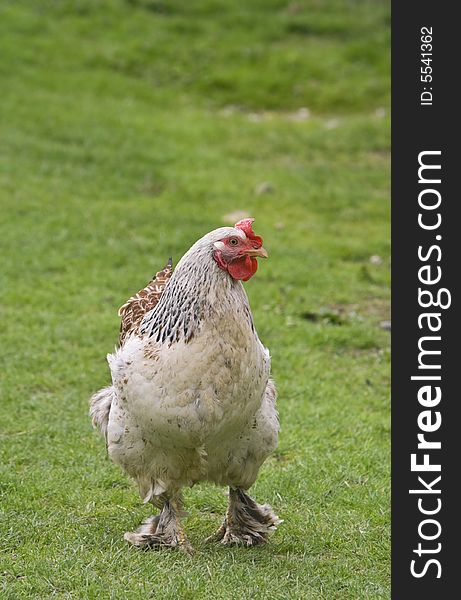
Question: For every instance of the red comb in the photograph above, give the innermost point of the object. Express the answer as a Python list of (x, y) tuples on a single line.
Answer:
[(246, 225)]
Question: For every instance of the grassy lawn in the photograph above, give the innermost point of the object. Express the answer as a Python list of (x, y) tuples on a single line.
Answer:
[(128, 130)]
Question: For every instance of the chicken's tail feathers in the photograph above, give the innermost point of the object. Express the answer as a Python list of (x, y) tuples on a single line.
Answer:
[(100, 404)]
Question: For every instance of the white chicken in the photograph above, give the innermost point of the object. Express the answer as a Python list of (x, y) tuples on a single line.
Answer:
[(191, 397)]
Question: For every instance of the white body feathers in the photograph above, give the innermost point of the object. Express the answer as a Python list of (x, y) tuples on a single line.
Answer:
[(191, 398)]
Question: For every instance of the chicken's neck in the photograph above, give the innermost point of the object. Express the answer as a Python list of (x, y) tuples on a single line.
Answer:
[(197, 291)]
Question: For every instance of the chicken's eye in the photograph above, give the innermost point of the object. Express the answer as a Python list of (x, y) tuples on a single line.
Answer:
[(233, 241)]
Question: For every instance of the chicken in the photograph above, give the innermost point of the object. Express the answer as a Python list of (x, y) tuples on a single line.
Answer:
[(191, 397)]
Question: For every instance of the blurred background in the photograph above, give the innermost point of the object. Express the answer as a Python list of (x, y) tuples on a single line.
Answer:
[(128, 129)]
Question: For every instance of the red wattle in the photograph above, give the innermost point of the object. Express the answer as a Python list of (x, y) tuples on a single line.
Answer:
[(243, 268)]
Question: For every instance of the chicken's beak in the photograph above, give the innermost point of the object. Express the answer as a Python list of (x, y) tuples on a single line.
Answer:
[(261, 252)]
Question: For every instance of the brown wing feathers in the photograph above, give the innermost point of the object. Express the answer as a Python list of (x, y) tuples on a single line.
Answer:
[(134, 309)]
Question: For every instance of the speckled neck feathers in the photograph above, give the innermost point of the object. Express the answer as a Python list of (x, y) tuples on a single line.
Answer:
[(198, 290)]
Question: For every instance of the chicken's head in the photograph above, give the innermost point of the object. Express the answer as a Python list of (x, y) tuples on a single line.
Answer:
[(236, 253)]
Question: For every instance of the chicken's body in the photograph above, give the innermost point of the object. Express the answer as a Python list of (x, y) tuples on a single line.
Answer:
[(191, 399)]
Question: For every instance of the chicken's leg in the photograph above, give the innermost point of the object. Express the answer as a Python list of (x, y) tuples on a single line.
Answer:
[(163, 530), (246, 522)]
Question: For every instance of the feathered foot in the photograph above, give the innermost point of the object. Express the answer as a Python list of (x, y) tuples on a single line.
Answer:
[(163, 530), (247, 523)]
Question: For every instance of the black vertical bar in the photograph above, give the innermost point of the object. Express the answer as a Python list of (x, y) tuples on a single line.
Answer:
[(417, 127)]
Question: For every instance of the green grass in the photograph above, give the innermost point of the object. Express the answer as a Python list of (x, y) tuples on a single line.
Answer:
[(128, 130)]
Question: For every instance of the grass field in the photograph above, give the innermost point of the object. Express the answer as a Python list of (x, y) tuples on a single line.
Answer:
[(128, 130)]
